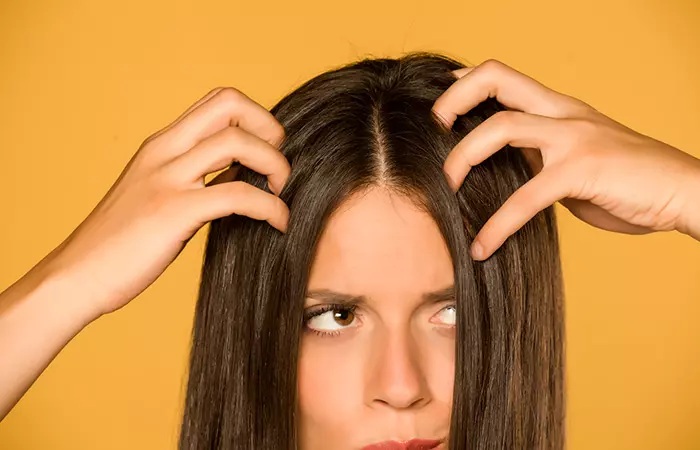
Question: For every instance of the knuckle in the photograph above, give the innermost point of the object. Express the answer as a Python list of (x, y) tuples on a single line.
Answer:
[(147, 143), (143, 160), (493, 65), (229, 95), (149, 139), (154, 142), (505, 118), (576, 105)]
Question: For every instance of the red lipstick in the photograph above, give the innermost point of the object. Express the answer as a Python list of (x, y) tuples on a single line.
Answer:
[(413, 444)]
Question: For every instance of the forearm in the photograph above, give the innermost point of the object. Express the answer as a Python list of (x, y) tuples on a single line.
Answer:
[(39, 315)]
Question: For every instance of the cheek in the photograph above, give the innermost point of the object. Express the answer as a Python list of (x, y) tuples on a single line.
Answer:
[(329, 386), (443, 377), (439, 364)]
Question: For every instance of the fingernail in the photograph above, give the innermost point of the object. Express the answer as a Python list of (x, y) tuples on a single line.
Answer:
[(477, 250), (442, 119)]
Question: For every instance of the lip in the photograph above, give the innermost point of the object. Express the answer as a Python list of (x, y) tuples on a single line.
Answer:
[(413, 444)]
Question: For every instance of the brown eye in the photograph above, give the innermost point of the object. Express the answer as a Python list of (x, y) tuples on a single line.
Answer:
[(331, 318), (344, 317)]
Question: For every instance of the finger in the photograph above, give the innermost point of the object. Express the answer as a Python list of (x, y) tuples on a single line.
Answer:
[(510, 87), (228, 107), (600, 218), (532, 197), (236, 197), (209, 95), (459, 73), (514, 128), (229, 145)]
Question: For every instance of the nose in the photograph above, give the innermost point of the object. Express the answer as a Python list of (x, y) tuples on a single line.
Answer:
[(395, 377)]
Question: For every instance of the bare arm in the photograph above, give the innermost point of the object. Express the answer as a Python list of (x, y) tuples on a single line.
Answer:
[(39, 315), (141, 225)]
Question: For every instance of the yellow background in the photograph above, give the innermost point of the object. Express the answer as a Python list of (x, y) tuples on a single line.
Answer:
[(82, 84)]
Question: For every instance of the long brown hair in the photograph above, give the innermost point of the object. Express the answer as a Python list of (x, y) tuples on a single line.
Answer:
[(363, 124)]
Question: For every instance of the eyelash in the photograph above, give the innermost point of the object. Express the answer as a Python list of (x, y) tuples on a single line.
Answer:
[(335, 308), (324, 309)]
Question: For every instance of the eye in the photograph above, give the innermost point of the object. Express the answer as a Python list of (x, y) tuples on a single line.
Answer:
[(446, 316), (330, 319)]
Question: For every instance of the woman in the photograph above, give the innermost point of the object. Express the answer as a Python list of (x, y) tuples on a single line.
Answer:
[(341, 333), (247, 390)]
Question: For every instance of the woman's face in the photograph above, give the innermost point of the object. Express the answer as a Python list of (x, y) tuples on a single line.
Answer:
[(385, 370)]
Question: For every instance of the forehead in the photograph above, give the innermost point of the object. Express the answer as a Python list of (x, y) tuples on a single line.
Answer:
[(380, 244)]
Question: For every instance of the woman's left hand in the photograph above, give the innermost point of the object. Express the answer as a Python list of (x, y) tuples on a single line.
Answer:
[(606, 174)]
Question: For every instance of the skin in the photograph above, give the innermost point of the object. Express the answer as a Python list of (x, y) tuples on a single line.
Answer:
[(605, 173), (389, 370)]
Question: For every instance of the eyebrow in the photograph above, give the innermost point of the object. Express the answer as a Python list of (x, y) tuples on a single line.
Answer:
[(329, 296)]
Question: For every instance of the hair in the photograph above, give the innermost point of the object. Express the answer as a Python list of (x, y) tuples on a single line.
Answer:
[(369, 124)]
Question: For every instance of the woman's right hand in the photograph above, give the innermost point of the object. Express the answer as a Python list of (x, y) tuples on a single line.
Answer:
[(160, 199)]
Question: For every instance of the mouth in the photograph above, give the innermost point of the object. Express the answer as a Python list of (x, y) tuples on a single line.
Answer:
[(413, 444)]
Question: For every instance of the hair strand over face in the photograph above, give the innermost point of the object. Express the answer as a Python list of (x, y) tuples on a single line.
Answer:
[(365, 125)]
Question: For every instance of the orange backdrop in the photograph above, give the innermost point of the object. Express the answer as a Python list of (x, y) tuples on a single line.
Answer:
[(84, 83)]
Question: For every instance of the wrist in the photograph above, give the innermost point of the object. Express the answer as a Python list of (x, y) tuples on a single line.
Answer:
[(53, 299), (59, 289), (689, 222)]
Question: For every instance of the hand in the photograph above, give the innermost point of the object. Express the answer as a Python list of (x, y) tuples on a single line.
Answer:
[(606, 174), (160, 200)]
